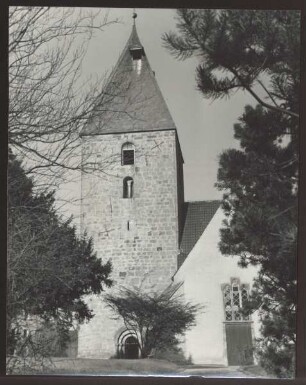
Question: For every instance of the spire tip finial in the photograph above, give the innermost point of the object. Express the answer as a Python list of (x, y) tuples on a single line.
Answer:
[(134, 15)]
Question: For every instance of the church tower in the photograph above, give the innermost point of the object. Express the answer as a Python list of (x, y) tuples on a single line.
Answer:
[(133, 208)]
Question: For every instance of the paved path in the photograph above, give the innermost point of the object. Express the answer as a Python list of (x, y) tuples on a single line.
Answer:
[(216, 372)]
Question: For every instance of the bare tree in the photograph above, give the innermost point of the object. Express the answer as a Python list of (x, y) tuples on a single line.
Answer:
[(49, 103)]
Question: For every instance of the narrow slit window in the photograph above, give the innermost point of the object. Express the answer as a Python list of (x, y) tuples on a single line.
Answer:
[(128, 187)]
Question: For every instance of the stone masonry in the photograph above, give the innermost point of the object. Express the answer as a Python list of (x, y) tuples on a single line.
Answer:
[(139, 234)]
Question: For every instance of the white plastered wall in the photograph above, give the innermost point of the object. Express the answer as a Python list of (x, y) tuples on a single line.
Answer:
[(202, 274)]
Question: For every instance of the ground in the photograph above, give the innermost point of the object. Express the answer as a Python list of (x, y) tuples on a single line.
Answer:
[(78, 366)]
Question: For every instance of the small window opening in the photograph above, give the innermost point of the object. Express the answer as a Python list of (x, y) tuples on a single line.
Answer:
[(136, 52), (128, 157), (137, 64), (128, 187), (127, 154)]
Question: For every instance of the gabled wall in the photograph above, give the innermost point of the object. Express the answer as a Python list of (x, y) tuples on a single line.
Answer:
[(202, 273)]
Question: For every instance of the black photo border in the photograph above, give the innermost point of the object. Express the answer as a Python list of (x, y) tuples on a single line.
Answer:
[(301, 265)]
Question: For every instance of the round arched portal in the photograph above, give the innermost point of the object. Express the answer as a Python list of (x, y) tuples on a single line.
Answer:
[(128, 346), (131, 349)]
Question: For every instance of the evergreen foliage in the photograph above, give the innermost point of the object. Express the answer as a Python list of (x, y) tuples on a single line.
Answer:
[(50, 268), (242, 50), (258, 52), (261, 227)]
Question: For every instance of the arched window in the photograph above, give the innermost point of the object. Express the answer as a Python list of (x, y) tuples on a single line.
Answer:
[(244, 294), (244, 299), (127, 154), (128, 187), (234, 298), (227, 303)]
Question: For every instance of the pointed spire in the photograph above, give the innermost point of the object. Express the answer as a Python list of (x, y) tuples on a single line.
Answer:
[(134, 41), (135, 102)]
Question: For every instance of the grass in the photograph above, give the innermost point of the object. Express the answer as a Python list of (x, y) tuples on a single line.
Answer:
[(137, 367), (79, 366)]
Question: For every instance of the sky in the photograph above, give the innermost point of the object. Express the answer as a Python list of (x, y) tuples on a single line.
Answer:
[(205, 127)]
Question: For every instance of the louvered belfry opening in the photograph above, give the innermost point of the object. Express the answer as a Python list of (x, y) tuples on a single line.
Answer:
[(136, 52)]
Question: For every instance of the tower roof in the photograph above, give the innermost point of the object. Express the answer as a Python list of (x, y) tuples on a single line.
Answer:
[(131, 99)]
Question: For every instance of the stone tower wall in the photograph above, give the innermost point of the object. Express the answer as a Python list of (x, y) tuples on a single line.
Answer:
[(143, 252)]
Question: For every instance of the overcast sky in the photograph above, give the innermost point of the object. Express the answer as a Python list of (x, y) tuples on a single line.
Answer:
[(205, 128)]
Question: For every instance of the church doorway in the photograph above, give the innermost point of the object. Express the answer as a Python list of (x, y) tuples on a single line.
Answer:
[(131, 349), (127, 345), (239, 343), (238, 328)]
